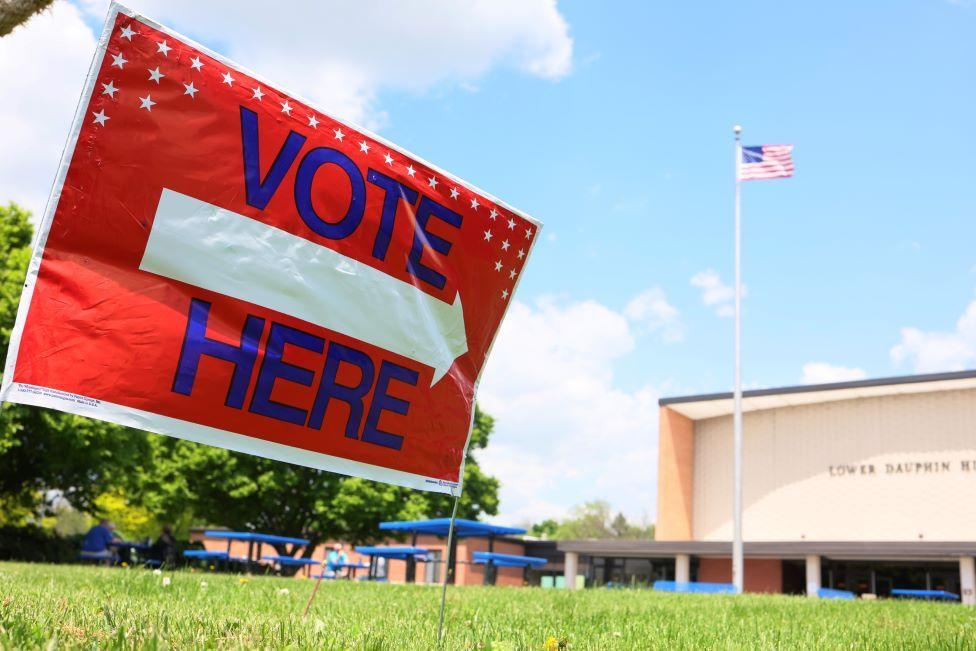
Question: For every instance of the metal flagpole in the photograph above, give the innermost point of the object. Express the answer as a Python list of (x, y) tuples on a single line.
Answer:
[(737, 562), (447, 568)]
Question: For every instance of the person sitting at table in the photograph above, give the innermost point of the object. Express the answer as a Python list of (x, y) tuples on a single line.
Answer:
[(97, 544), (164, 549), (336, 559)]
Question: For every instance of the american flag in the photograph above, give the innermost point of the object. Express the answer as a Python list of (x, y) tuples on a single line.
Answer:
[(766, 162)]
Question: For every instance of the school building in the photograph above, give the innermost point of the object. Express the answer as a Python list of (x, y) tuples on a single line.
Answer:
[(864, 486)]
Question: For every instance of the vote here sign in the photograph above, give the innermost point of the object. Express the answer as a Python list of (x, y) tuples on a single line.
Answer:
[(222, 262)]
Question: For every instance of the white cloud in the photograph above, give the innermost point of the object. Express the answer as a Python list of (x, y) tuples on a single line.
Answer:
[(715, 293), (824, 373), (340, 54), (566, 432), (42, 71), (931, 351), (651, 310)]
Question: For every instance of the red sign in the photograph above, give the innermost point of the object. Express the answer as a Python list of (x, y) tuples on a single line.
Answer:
[(222, 262)]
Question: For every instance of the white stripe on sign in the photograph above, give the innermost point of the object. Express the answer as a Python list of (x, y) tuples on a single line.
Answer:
[(203, 245)]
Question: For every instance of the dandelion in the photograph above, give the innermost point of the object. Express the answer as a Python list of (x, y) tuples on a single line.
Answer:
[(124, 564), (166, 581), (157, 571), (203, 584), (243, 580), (283, 591), (555, 644), (211, 568)]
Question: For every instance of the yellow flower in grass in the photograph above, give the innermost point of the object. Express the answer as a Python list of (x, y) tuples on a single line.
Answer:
[(243, 580), (555, 644), (124, 564)]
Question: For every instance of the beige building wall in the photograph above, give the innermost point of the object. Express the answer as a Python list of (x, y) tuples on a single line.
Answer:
[(898, 467)]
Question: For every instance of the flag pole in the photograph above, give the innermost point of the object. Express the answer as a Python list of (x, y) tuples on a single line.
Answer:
[(737, 561)]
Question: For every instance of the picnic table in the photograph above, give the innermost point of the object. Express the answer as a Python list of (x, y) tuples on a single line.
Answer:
[(253, 538), (938, 595), (402, 553), (286, 561), (351, 567)]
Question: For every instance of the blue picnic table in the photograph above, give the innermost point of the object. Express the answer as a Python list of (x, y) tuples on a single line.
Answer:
[(290, 561), (253, 538), (938, 595), (391, 552)]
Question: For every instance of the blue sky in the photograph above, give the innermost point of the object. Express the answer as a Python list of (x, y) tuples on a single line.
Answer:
[(612, 124)]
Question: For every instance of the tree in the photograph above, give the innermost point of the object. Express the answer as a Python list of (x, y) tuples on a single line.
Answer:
[(43, 450), (595, 520), (546, 530), (185, 481), (15, 12)]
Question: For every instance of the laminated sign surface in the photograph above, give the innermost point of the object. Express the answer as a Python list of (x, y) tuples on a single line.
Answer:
[(222, 262)]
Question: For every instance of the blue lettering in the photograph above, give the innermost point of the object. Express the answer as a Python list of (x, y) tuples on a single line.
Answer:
[(196, 344), (258, 193), (352, 396), (423, 239), (310, 164), (393, 192), (383, 401), (273, 367)]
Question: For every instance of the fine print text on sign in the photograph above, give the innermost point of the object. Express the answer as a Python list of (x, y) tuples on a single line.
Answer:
[(224, 263)]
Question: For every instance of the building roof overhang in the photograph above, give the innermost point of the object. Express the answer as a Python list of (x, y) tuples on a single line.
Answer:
[(839, 550), (720, 404)]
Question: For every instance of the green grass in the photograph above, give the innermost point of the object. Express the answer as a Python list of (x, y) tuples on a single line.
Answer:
[(86, 607)]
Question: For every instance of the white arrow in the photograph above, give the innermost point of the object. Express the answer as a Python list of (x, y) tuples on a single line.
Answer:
[(203, 245)]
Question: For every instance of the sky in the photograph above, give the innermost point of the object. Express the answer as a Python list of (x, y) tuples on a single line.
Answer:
[(612, 124)]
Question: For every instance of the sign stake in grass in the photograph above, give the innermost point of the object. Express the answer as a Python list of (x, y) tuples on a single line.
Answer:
[(447, 571)]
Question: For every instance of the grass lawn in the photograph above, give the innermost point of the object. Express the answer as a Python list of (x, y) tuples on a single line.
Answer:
[(89, 607)]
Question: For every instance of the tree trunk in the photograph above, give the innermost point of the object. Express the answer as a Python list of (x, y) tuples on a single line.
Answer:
[(15, 12)]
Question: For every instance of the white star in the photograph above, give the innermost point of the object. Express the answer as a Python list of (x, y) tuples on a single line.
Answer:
[(387, 158), (163, 48), (454, 193), (488, 236), (100, 117), (410, 170), (119, 60), (190, 90), (521, 254), (147, 102), (474, 203), (528, 233), (511, 274), (505, 245), (128, 32), (257, 93), (196, 63), (228, 79), (511, 224), (339, 135), (432, 182), (498, 266), (493, 214), (504, 294), (364, 147), (109, 89), (286, 107), (155, 75), (313, 122)]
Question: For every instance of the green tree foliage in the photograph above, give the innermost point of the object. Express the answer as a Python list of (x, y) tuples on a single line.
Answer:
[(40, 449), (184, 481), (546, 530), (594, 520)]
